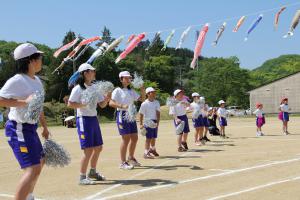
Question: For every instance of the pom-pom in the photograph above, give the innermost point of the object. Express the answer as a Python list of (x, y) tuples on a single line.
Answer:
[(137, 82), (55, 154), (130, 114), (180, 127)]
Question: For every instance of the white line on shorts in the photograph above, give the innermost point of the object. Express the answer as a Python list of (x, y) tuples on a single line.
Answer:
[(255, 188), (200, 178), (132, 177)]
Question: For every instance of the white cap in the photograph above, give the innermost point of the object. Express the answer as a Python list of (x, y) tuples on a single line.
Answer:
[(195, 94), (84, 67), (25, 50), (150, 89), (221, 102), (177, 92), (124, 74)]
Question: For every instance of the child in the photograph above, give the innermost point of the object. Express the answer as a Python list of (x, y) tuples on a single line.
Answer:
[(204, 108), (197, 122), (222, 114), (88, 128), (21, 132), (150, 110), (260, 118), (179, 114), (122, 97), (212, 119), (284, 115)]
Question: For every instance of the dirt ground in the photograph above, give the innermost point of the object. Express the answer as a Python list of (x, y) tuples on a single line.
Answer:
[(241, 167)]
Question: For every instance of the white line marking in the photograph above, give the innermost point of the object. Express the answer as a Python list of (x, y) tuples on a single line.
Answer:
[(255, 188), (132, 177), (200, 178)]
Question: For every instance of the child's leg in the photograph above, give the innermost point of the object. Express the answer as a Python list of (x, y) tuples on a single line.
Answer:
[(35, 181), (123, 147), (95, 156), (286, 126), (147, 145), (27, 182), (196, 135), (179, 140), (152, 142), (87, 153), (132, 145), (184, 137)]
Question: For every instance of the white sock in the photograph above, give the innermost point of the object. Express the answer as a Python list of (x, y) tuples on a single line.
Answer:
[(30, 196), (153, 147), (146, 151)]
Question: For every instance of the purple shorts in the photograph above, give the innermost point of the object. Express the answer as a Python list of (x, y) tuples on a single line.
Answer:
[(186, 125), (260, 121), (205, 122), (285, 116), (89, 132), (25, 143), (198, 122), (124, 126), (223, 121), (151, 132)]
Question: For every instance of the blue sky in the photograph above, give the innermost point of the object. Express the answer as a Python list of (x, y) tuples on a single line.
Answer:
[(47, 22)]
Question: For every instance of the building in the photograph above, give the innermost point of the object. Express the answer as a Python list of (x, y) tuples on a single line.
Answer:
[(271, 94)]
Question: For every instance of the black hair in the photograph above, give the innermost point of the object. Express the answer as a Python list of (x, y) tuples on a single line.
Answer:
[(22, 65), (128, 87), (81, 80)]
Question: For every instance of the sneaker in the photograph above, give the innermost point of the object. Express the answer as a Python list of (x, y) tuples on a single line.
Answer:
[(30, 197), (262, 134), (86, 181), (181, 149), (206, 139), (185, 146), (286, 133), (126, 166), (148, 156), (202, 141), (97, 176), (258, 134), (197, 143), (154, 152), (134, 162)]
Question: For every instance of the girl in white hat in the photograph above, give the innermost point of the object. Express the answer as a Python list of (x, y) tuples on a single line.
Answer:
[(222, 115), (150, 110), (179, 114), (20, 131), (122, 97)]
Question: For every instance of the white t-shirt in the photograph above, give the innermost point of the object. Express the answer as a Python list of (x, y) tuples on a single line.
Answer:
[(204, 109), (222, 112), (124, 96), (258, 113), (149, 108), (284, 107), (75, 97), (195, 106), (20, 87), (179, 109)]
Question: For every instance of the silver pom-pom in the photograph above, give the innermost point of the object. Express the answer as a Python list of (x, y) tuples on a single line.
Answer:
[(104, 87), (143, 131), (89, 97), (55, 154), (35, 106), (150, 123), (196, 113), (137, 82), (171, 101), (131, 113), (180, 127)]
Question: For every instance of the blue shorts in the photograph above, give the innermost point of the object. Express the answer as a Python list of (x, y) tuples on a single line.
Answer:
[(205, 122), (25, 143), (124, 126), (186, 124), (223, 121), (151, 133), (198, 122), (89, 132), (285, 116)]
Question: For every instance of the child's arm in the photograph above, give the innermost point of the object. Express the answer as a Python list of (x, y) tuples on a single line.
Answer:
[(14, 102), (114, 104), (104, 103), (75, 105), (43, 122), (141, 121), (158, 117)]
